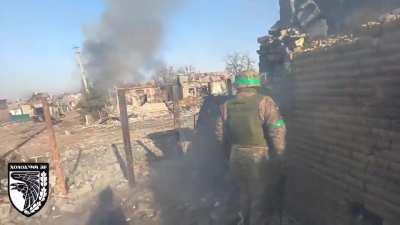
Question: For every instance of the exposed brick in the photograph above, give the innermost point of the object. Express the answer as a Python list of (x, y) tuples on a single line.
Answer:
[(345, 128)]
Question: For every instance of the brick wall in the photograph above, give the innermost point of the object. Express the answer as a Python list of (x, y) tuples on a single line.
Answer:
[(344, 131)]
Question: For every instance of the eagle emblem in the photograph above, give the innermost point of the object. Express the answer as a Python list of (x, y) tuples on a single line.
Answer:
[(28, 186)]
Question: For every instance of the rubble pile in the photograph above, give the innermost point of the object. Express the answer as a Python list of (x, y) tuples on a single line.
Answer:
[(390, 17), (329, 42), (372, 29), (150, 115), (150, 110), (189, 111)]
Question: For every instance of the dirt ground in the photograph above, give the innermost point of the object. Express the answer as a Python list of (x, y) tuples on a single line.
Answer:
[(171, 188)]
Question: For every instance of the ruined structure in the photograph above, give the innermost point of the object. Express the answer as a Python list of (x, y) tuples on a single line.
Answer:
[(304, 20), (317, 17), (339, 95), (203, 84), (344, 130), (25, 110), (141, 94)]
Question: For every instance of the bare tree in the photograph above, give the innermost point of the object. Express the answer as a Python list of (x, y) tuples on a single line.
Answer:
[(164, 74), (186, 70), (238, 62)]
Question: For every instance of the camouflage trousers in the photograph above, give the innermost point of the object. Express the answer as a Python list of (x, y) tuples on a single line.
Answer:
[(256, 179)]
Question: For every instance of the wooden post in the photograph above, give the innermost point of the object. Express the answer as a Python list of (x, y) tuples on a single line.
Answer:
[(177, 119), (126, 136), (176, 108), (55, 153)]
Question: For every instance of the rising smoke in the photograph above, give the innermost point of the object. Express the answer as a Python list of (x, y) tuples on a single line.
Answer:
[(126, 40)]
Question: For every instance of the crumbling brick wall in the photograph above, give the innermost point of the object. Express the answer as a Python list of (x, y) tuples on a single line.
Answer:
[(344, 131)]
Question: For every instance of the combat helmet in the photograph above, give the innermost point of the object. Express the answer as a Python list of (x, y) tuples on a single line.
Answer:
[(248, 78)]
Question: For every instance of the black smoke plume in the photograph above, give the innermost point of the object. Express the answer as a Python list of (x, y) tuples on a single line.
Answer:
[(126, 40)]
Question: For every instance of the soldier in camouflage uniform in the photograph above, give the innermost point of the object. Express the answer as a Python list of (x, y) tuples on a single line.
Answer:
[(250, 128)]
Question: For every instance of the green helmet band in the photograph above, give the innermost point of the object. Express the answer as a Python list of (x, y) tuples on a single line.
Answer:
[(244, 81)]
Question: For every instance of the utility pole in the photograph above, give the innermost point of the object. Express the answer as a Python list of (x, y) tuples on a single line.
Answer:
[(126, 136), (55, 153), (83, 77), (82, 69)]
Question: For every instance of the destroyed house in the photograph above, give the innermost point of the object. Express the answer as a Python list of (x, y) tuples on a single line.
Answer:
[(145, 93), (36, 105), (16, 112), (33, 108), (14, 108), (203, 84)]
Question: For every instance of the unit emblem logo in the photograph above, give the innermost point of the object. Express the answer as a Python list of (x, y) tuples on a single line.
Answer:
[(28, 186)]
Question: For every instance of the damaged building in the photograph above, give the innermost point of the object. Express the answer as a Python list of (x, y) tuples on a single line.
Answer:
[(339, 94), (146, 93), (319, 18), (203, 84), (302, 21), (32, 109), (196, 85)]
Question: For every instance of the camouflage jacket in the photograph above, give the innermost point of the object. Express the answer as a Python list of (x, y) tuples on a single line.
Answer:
[(273, 124)]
